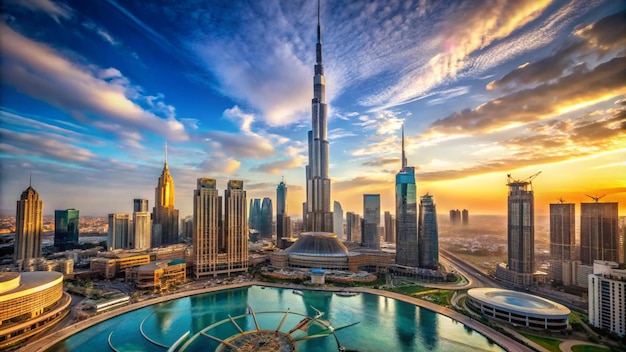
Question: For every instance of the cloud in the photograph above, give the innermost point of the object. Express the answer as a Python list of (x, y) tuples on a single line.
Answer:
[(581, 88), (548, 142), (380, 162), (90, 94), (53, 9), (598, 39), (101, 32), (279, 166), (44, 145), (465, 30)]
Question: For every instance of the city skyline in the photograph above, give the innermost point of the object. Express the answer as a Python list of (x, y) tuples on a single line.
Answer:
[(92, 92)]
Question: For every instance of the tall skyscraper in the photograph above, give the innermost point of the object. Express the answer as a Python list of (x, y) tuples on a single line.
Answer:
[(265, 220), (254, 217), (140, 205), (119, 231), (236, 227), (428, 241), (281, 214), (28, 226), (598, 232), (455, 216), (465, 216), (165, 217), (142, 229), (562, 241), (390, 228), (318, 216), (406, 214), (521, 227), (66, 227), (206, 228), (353, 227), (338, 219), (371, 220)]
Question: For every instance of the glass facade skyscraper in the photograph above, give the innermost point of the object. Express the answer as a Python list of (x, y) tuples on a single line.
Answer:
[(119, 231), (428, 240), (66, 227), (265, 220), (598, 232), (235, 228), (371, 220), (338, 219), (281, 214), (406, 214)]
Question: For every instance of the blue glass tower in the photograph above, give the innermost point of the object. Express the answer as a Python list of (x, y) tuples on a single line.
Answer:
[(65, 229), (428, 242), (406, 214)]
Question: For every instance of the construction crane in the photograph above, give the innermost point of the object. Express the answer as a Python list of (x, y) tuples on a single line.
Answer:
[(596, 198), (527, 181)]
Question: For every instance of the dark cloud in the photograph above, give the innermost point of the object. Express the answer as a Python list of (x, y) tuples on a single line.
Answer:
[(381, 162)]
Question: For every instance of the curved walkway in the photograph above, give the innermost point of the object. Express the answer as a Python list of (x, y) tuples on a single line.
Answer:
[(566, 346), (503, 341)]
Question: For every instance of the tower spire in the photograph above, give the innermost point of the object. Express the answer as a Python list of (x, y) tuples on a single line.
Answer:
[(318, 48), (403, 154), (165, 153), (30, 179)]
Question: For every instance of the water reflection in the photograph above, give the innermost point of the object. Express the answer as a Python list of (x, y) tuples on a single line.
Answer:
[(428, 328), (405, 328)]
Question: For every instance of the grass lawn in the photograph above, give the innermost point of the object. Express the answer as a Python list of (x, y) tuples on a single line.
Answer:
[(441, 297), (545, 342), (588, 348), (409, 289)]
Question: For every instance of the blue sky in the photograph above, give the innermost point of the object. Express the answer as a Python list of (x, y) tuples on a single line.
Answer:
[(92, 90)]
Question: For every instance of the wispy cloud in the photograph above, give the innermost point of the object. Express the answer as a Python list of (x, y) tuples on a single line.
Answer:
[(56, 10), (91, 95), (101, 32)]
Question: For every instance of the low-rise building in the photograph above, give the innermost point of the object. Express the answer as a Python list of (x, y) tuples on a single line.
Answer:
[(159, 275)]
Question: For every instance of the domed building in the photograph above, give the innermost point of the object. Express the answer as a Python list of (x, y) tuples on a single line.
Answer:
[(323, 250)]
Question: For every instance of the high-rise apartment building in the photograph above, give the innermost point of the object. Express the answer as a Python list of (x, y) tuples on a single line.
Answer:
[(119, 231), (165, 217), (371, 220), (390, 228), (562, 240), (28, 226), (207, 211), (428, 240), (318, 217), (406, 214), (353, 227), (465, 217), (235, 227), (265, 220), (338, 219), (598, 232), (281, 214), (66, 227), (607, 297), (455, 217)]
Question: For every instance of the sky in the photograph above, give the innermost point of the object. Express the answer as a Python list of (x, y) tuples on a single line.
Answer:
[(93, 90)]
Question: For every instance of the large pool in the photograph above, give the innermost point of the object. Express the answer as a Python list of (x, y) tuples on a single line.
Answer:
[(384, 324)]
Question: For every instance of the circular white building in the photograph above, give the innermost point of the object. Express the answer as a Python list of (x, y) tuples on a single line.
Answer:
[(517, 308)]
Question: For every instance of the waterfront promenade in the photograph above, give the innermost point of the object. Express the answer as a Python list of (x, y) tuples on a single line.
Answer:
[(46, 342)]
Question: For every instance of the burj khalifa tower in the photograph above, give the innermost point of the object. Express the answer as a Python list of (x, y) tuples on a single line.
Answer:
[(318, 216)]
